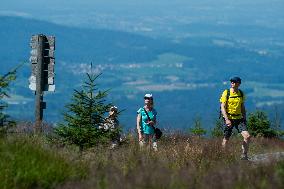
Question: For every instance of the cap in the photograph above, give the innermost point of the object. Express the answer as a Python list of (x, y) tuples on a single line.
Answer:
[(236, 80), (148, 96), (113, 108)]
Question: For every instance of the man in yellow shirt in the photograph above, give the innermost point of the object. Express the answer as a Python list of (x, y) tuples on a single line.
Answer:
[(234, 114)]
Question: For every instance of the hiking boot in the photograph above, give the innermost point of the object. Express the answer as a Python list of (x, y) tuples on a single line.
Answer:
[(244, 157)]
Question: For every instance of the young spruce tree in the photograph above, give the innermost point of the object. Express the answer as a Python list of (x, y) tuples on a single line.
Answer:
[(217, 131), (5, 81), (84, 116), (197, 129)]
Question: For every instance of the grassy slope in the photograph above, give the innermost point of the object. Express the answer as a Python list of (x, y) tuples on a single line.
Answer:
[(181, 162)]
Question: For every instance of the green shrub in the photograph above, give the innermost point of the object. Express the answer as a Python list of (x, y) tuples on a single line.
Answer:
[(259, 125), (29, 163)]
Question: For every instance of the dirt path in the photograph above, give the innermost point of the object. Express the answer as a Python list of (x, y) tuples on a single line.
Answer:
[(266, 158)]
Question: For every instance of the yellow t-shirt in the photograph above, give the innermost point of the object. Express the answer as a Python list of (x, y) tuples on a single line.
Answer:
[(234, 104)]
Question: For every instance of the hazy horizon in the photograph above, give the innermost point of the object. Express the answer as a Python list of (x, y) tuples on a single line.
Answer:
[(150, 17)]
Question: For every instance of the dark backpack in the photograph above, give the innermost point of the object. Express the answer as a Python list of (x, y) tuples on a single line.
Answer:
[(228, 96)]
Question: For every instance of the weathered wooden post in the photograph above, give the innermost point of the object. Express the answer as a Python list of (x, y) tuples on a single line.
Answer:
[(42, 77)]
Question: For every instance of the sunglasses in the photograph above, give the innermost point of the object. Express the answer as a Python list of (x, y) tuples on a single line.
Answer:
[(148, 98), (235, 82)]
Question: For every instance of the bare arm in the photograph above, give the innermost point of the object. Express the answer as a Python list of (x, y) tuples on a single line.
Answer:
[(138, 121), (223, 110), (224, 113)]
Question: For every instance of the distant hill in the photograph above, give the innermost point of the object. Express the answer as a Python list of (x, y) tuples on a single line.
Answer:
[(114, 47), (186, 76), (75, 44)]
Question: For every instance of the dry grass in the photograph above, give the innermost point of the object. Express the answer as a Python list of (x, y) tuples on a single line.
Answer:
[(181, 162)]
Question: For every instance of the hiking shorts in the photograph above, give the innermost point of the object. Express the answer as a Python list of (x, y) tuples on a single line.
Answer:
[(239, 124)]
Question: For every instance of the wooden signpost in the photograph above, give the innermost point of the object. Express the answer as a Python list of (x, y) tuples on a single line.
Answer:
[(42, 77)]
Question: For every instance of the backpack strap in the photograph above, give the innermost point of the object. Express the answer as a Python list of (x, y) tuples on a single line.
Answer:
[(147, 114), (228, 95), (241, 95), (149, 117)]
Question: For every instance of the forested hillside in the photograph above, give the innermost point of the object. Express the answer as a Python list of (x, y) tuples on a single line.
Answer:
[(181, 73)]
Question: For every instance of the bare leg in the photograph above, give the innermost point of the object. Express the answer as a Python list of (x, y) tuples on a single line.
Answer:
[(142, 142), (245, 144), (155, 145), (224, 142), (149, 143)]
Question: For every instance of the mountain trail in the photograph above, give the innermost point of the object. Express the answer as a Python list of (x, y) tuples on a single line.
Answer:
[(267, 157)]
